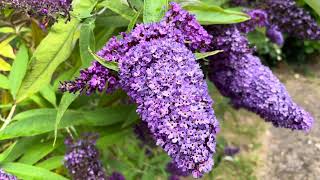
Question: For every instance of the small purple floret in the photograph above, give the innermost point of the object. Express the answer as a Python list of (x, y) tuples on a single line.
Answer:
[(6, 176)]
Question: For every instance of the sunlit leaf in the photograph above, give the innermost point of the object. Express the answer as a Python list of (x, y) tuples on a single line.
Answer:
[(207, 54), (108, 64), (154, 10), (4, 66), (314, 4)]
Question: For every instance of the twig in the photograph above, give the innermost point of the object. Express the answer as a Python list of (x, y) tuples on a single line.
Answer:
[(9, 118)]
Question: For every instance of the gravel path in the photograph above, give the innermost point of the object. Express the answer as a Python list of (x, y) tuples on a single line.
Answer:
[(295, 155)]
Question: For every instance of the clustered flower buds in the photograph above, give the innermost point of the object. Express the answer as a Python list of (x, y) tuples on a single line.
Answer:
[(164, 79), (82, 159), (51, 9), (7, 176), (240, 76)]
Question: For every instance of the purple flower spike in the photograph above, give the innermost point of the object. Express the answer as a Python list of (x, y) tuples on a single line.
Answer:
[(231, 151), (275, 35), (259, 18), (51, 9), (6, 176), (292, 19), (82, 160), (240, 76), (177, 25), (164, 79), (116, 176)]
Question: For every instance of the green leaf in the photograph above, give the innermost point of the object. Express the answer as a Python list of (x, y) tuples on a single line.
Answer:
[(108, 64), (7, 51), (133, 21), (6, 30), (53, 50), (25, 171), (87, 40), (314, 4), (36, 153), (118, 7), (18, 71), (42, 122), (154, 10), (18, 148), (111, 139), (212, 14), (207, 54), (51, 163), (49, 94), (65, 102), (4, 155), (4, 82), (4, 66), (111, 21)]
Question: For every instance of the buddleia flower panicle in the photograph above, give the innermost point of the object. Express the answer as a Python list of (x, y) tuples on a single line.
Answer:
[(259, 18), (240, 76), (6, 176), (291, 19), (164, 79), (177, 25), (116, 176), (51, 9), (82, 159)]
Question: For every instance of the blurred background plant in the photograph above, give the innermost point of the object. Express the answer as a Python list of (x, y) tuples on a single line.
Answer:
[(37, 53)]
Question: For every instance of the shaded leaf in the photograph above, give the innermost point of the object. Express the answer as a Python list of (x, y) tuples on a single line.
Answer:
[(4, 82), (45, 122), (87, 40), (49, 94), (118, 7), (4, 66), (51, 163)]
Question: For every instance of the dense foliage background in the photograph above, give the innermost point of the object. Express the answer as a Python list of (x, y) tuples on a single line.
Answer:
[(36, 54)]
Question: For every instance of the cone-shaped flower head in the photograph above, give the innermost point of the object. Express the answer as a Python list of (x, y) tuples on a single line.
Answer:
[(6, 176), (178, 25), (240, 76), (275, 35), (292, 19), (82, 159), (164, 79)]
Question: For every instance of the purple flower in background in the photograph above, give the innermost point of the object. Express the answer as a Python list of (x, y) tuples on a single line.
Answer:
[(116, 176), (259, 18), (82, 159), (173, 169), (47, 8), (231, 151), (164, 79), (292, 19), (240, 76), (275, 35), (177, 25), (6, 176)]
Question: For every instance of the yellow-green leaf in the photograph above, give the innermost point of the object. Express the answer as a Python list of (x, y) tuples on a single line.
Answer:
[(4, 66)]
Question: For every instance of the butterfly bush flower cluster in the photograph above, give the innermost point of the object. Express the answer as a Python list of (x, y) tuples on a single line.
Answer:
[(82, 159), (159, 72), (177, 25), (164, 79), (292, 19), (7, 176), (51, 9), (259, 18), (240, 76), (175, 172)]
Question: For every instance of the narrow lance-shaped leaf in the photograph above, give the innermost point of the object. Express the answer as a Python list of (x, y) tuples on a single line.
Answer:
[(51, 163), (49, 94), (18, 71), (108, 64), (207, 54), (24, 171), (212, 14), (154, 10), (4, 66), (53, 50), (42, 122), (86, 40), (315, 4)]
